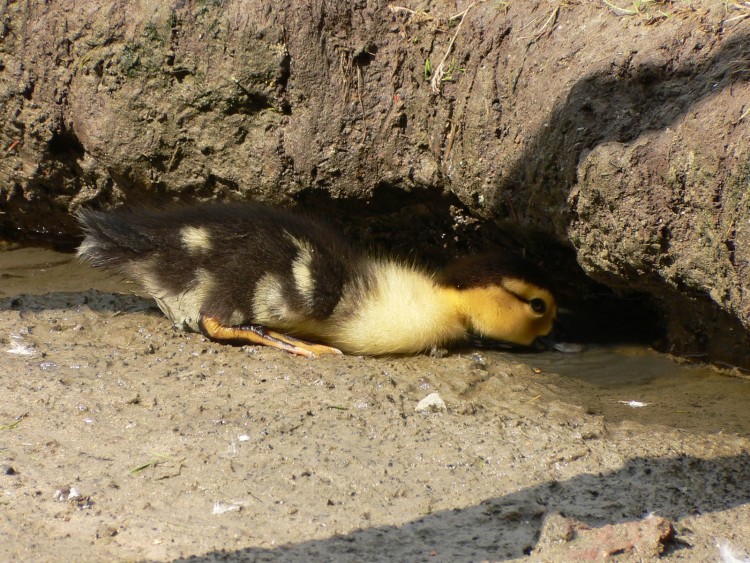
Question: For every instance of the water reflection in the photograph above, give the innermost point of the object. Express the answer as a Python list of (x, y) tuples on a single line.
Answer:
[(604, 380)]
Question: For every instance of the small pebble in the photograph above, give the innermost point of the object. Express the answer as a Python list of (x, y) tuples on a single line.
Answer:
[(106, 531), (6, 469), (634, 404), (438, 352), (431, 403), (61, 495), (568, 347)]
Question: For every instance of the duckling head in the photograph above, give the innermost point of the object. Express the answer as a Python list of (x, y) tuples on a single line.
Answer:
[(502, 298)]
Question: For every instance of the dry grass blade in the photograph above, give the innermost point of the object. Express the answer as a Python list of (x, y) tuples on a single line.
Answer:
[(12, 146), (544, 28), (157, 459), (13, 424), (440, 70), (417, 15), (742, 6), (637, 7)]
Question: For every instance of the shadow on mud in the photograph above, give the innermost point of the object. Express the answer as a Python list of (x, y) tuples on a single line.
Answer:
[(510, 526), (618, 105), (98, 301)]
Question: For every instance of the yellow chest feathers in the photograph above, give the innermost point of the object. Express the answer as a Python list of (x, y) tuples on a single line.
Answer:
[(402, 311)]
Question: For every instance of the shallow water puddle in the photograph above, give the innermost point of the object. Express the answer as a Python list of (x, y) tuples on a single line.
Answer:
[(37, 271), (639, 384)]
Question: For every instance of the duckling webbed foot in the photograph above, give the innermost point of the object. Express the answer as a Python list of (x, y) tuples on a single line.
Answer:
[(255, 334)]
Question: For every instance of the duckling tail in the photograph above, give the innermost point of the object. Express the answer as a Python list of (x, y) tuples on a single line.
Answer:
[(111, 239)]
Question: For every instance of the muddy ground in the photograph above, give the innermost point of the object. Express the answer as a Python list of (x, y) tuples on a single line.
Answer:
[(123, 439)]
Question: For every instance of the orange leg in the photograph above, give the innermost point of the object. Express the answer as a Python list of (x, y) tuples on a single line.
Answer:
[(253, 334)]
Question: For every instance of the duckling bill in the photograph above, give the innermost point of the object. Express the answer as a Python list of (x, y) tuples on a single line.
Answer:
[(258, 275)]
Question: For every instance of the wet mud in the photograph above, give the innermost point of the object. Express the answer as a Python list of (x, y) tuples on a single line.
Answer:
[(121, 438)]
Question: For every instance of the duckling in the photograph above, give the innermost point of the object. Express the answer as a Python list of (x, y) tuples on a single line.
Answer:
[(250, 274)]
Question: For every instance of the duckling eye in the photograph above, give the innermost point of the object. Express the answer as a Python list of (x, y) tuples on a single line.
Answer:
[(538, 305)]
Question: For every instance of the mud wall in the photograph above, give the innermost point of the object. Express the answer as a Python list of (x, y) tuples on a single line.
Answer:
[(621, 135)]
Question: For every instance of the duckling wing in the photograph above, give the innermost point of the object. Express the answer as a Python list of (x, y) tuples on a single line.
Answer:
[(236, 263)]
